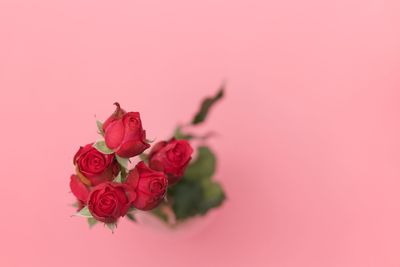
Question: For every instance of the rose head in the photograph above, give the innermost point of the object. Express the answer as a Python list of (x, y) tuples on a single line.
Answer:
[(149, 185), (123, 133), (109, 201), (171, 157), (94, 167)]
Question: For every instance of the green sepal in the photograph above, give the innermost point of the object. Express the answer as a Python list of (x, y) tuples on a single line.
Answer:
[(100, 127), (85, 212), (111, 226), (122, 161), (144, 157), (102, 147), (118, 179), (91, 222), (206, 105)]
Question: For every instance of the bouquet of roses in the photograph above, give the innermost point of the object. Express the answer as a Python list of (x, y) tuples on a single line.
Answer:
[(165, 181)]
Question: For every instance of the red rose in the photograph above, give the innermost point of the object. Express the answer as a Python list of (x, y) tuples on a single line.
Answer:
[(149, 185), (109, 201), (124, 134), (94, 167), (171, 157), (80, 190)]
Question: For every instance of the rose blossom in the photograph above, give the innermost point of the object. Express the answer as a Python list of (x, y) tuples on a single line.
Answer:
[(109, 201), (94, 167), (123, 133), (171, 157), (149, 185)]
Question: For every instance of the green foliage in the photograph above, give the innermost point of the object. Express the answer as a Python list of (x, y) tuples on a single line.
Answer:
[(118, 179), (206, 105), (203, 167), (84, 212), (122, 161), (131, 217), (196, 193), (144, 157), (102, 147), (160, 214), (100, 127), (111, 226), (91, 222)]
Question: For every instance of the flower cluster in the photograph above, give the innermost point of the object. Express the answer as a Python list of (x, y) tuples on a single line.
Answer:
[(106, 189)]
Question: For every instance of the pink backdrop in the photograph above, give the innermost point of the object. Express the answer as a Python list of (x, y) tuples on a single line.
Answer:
[(309, 143)]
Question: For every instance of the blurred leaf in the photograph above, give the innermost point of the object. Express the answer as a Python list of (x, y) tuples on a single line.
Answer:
[(204, 165), (187, 195), (122, 161), (213, 196), (84, 212), (100, 127), (180, 135), (131, 217), (91, 221), (102, 147), (206, 106), (160, 214)]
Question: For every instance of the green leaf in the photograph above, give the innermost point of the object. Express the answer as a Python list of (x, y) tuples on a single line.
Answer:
[(111, 226), (102, 147), (91, 221), (181, 135), (100, 127), (204, 165), (213, 196), (84, 212), (122, 161), (131, 217), (187, 195), (206, 106), (160, 214), (118, 179)]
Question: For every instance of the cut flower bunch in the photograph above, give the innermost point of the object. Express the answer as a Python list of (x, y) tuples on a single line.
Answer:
[(165, 181)]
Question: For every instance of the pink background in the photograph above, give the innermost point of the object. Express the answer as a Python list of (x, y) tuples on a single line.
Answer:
[(309, 143)]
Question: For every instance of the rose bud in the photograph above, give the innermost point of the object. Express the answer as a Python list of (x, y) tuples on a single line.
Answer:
[(94, 167), (80, 190), (149, 185), (171, 157), (109, 201), (124, 134)]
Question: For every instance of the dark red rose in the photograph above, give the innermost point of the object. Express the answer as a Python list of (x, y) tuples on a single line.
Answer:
[(123, 133), (94, 167), (171, 157), (149, 185), (109, 201), (80, 190)]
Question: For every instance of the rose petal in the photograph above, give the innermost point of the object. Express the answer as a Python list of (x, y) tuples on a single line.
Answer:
[(114, 134), (80, 190)]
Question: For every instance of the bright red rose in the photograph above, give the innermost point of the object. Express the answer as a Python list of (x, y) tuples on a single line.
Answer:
[(94, 167), (149, 185), (171, 157), (123, 133), (109, 201), (80, 190)]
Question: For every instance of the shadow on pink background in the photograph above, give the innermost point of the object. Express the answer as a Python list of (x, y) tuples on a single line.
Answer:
[(309, 143)]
